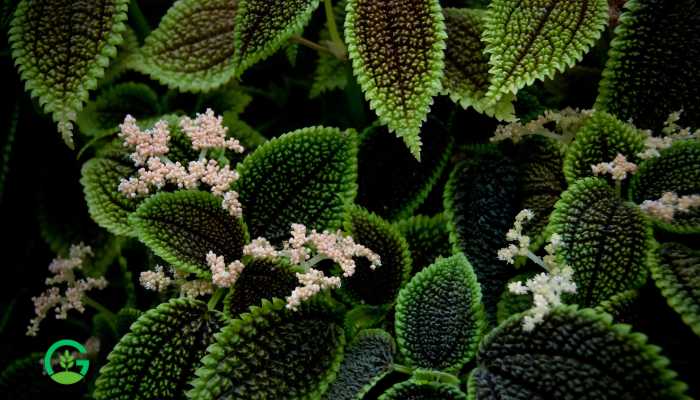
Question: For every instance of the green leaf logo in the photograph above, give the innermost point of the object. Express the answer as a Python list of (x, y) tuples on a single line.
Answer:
[(67, 361)]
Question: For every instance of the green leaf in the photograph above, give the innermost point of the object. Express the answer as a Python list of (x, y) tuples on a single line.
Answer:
[(578, 354), (653, 64), (368, 358), (391, 182), (120, 65), (307, 176), (467, 78), (397, 53), (192, 48), (480, 204), (262, 278), (264, 26), (62, 48), (109, 109), (427, 239), (108, 207), (677, 170), (605, 240), (677, 275), (624, 307), (439, 316), (600, 139), (379, 286), (182, 227), (159, 355), (420, 390), (273, 353), (531, 40)]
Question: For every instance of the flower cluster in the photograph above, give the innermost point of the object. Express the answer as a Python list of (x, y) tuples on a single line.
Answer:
[(673, 133), (150, 149), (63, 270), (618, 168), (546, 287), (306, 249), (567, 121), (221, 274), (515, 234), (666, 207), (159, 280)]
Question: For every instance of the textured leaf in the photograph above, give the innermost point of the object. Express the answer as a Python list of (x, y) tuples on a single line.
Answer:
[(397, 53), (391, 182), (600, 139), (654, 64), (62, 48), (571, 354), (307, 176), (379, 286), (480, 204), (676, 170), (427, 239), (467, 78), (192, 48), (264, 26), (272, 353), (182, 227), (108, 207), (111, 106), (439, 316), (605, 240), (418, 390), (533, 39), (677, 275), (120, 65), (624, 307), (260, 279), (159, 355), (367, 359)]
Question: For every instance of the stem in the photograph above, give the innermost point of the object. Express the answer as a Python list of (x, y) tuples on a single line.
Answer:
[(313, 261), (537, 260), (403, 369), (98, 307), (332, 26), (215, 298), (618, 188), (139, 21), (312, 45)]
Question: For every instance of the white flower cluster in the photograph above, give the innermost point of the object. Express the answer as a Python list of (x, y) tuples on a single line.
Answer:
[(515, 234), (673, 133), (666, 207), (619, 167), (159, 280), (155, 280), (150, 147), (221, 274), (567, 121), (64, 272), (306, 250)]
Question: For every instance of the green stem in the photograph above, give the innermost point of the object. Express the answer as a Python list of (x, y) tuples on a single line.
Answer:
[(536, 259), (88, 301), (312, 45), (215, 298), (332, 26), (618, 187), (139, 21), (403, 369)]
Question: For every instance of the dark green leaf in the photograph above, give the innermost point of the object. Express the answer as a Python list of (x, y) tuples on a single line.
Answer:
[(427, 239), (439, 316), (273, 353), (571, 354), (306, 176), (419, 390), (158, 357), (182, 227), (260, 279)]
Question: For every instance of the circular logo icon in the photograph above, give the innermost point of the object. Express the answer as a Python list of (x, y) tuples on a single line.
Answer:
[(65, 350)]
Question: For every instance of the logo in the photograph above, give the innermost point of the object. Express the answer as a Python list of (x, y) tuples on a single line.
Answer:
[(66, 360)]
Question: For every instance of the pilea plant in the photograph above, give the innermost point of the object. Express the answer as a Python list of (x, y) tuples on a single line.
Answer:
[(352, 199)]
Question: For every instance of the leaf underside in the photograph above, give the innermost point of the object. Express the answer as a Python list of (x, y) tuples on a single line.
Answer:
[(306, 176), (654, 64), (272, 353), (262, 278), (677, 275), (62, 47), (605, 240), (533, 39), (571, 354), (397, 52), (192, 48), (381, 285), (439, 316), (182, 227), (158, 357)]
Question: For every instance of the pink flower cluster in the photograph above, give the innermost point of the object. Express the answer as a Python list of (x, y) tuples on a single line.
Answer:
[(150, 149), (63, 270), (221, 274), (618, 168), (666, 207)]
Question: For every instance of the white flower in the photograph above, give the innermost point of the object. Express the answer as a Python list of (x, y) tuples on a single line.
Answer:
[(618, 168), (155, 280), (666, 207)]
